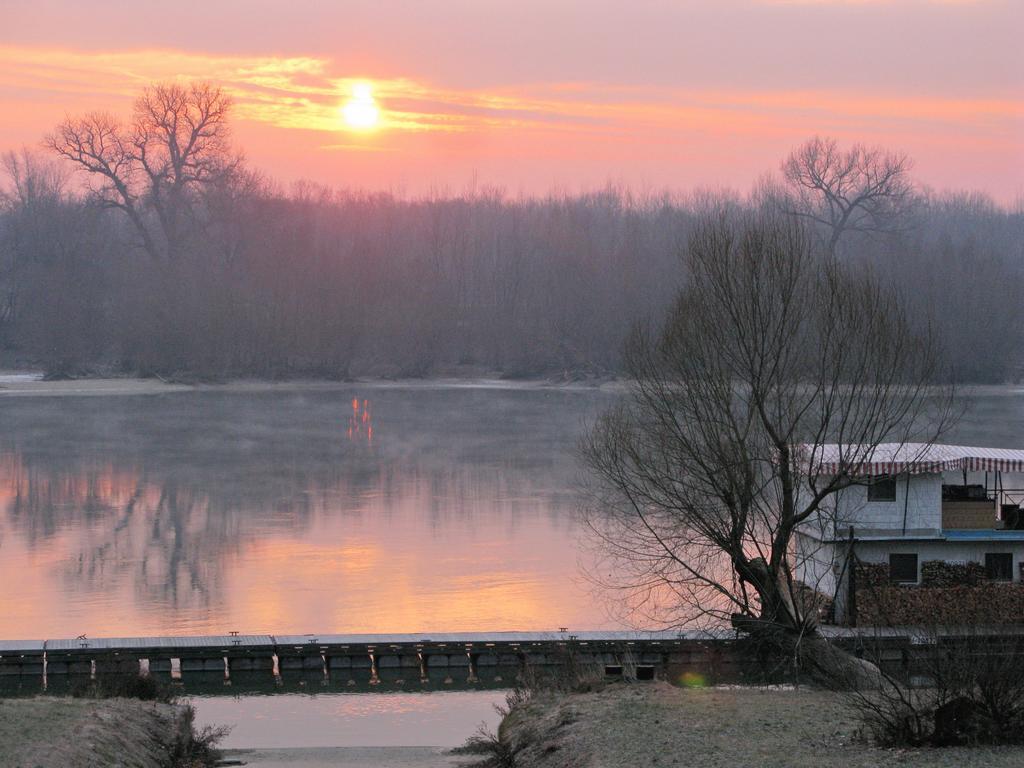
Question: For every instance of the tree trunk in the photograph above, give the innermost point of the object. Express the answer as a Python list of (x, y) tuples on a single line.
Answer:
[(836, 668), (825, 662)]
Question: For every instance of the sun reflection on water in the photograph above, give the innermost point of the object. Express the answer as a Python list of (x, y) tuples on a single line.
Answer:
[(360, 422)]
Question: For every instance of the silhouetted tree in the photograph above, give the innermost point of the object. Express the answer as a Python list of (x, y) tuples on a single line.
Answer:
[(30, 200), (152, 168), (861, 189), (701, 478), (245, 278)]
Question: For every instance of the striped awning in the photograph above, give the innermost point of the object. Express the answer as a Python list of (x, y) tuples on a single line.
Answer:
[(909, 458)]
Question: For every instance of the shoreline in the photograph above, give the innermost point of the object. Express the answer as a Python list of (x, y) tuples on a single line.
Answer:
[(67, 732), (615, 725), (650, 724), (21, 384), (343, 757)]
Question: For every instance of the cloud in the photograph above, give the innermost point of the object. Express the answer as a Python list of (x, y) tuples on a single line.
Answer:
[(305, 93), (287, 114), (289, 92), (354, 147), (904, 3)]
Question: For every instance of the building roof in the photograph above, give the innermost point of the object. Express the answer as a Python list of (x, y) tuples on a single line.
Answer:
[(912, 458)]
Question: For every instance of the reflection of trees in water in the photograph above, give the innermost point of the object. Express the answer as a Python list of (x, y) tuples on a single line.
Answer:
[(171, 537), (116, 524), (164, 500), (40, 499)]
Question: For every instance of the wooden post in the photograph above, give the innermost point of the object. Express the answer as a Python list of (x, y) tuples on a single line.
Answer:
[(851, 582)]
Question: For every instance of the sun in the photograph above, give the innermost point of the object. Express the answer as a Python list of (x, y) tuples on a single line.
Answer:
[(361, 112)]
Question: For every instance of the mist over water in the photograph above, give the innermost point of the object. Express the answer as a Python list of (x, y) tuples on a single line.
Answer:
[(326, 509), (310, 509)]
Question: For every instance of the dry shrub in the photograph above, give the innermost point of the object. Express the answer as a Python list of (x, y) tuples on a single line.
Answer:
[(196, 748), (189, 747), (574, 674), (961, 681)]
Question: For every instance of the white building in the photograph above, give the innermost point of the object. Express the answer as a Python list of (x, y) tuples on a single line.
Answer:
[(911, 504)]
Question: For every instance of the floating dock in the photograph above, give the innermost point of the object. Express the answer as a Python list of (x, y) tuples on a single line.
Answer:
[(372, 654), (453, 657)]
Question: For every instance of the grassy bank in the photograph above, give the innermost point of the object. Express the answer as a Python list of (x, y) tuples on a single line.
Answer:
[(48, 732), (624, 726)]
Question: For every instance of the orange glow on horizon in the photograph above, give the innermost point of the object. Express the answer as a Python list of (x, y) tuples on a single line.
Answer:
[(288, 120)]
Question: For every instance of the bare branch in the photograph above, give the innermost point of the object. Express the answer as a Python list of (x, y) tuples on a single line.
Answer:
[(701, 477), (862, 189)]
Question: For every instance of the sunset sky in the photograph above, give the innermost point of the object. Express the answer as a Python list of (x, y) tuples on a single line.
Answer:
[(533, 95)]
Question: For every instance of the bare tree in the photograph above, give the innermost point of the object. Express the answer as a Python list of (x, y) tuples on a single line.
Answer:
[(858, 190), (35, 225), (246, 278), (31, 178), (703, 474), (153, 168)]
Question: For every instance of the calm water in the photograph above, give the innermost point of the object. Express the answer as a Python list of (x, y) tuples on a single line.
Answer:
[(384, 719), (354, 509), (316, 509)]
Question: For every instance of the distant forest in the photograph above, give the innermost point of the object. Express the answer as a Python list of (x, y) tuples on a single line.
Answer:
[(148, 247)]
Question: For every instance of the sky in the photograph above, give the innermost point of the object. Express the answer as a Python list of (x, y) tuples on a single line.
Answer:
[(531, 96)]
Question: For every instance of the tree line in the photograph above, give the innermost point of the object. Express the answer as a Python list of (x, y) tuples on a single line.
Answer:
[(148, 246)]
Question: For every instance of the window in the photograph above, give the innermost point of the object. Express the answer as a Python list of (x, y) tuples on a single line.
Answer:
[(903, 569), (999, 566), (882, 488)]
